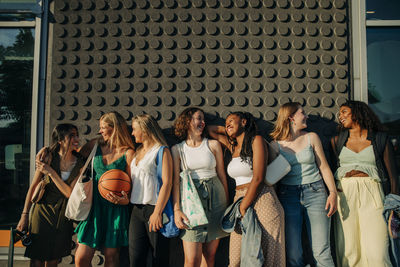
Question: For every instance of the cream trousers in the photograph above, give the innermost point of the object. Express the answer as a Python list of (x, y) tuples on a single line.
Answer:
[(360, 230)]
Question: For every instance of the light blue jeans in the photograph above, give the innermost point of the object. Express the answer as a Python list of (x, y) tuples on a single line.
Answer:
[(306, 203)]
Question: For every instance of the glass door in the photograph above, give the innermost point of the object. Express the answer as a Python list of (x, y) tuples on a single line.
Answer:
[(16, 75)]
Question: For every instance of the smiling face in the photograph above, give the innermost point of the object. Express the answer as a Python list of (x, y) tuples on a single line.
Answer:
[(106, 131), (137, 132), (299, 119), (70, 141), (197, 123), (345, 117), (234, 125)]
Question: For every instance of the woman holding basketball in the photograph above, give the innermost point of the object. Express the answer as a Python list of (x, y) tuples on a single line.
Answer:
[(49, 229), (204, 159), (106, 227)]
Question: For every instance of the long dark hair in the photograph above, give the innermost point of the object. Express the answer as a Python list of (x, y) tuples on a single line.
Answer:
[(250, 131), (59, 133), (362, 114)]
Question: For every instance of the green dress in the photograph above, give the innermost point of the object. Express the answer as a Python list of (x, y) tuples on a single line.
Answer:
[(50, 230), (107, 223)]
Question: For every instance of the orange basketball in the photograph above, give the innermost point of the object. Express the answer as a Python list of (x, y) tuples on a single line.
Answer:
[(114, 181)]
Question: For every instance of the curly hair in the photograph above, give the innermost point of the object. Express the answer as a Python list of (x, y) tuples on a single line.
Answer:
[(182, 123), (362, 114), (250, 132)]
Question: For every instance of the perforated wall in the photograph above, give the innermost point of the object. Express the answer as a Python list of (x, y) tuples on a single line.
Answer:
[(160, 57)]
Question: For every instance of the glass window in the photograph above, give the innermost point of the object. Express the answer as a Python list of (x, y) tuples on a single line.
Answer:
[(383, 9), (16, 72)]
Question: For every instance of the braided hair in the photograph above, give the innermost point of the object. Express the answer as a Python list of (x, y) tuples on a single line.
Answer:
[(250, 131)]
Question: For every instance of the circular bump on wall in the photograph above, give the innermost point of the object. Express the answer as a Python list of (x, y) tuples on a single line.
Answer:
[(313, 87), (227, 44), (270, 72), (170, 44), (227, 86), (327, 101), (269, 30), (127, 101), (256, 72), (270, 58), (270, 101), (270, 87), (241, 72), (140, 100), (169, 86), (284, 87), (241, 44), (99, 101), (339, 17), (340, 45), (241, 86), (226, 72), (326, 73), (270, 115), (140, 86), (212, 72), (241, 58), (183, 101), (256, 101), (299, 73), (313, 101), (327, 87), (226, 100), (126, 86), (341, 87), (299, 87), (59, 101), (183, 86), (169, 100), (198, 72), (269, 44), (255, 44), (283, 100), (341, 73), (212, 86)]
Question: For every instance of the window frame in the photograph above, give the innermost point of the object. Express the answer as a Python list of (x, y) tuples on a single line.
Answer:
[(359, 40), (37, 106)]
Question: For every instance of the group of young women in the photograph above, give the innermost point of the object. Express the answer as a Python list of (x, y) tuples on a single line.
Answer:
[(306, 195)]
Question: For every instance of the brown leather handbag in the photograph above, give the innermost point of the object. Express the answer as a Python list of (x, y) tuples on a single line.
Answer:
[(39, 191)]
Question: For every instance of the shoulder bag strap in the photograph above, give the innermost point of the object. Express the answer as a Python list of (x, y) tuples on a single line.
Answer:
[(182, 156), (159, 159), (89, 159)]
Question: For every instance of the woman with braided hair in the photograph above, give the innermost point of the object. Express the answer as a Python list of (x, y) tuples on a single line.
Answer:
[(248, 167)]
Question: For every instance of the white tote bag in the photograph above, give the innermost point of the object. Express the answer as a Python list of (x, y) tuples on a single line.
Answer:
[(277, 168), (80, 200)]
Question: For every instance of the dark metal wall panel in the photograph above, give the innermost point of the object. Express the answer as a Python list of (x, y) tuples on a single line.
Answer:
[(160, 57)]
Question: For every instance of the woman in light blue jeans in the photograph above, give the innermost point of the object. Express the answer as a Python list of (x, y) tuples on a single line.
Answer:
[(302, 191)]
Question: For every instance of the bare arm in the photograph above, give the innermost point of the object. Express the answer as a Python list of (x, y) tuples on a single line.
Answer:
[(323, 166), (179, 217), (46, 169), (218, 133), (155, 220), (216, 149), (259, 162), (23, 222)]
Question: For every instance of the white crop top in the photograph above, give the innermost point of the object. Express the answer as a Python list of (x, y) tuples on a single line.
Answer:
[(199, 160), (240, 171), (144, 178)]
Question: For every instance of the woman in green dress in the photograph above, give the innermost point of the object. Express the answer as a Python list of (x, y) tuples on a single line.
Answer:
[(106, 227), (50, 230)]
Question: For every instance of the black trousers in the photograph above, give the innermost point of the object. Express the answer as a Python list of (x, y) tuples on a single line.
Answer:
[(141, 240)]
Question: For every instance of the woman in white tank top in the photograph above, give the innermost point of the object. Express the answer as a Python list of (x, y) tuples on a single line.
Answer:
[(204, 159), (247, 167)]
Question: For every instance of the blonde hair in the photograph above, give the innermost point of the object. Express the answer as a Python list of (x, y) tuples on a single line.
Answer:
[(149, 126), (120, 136), (282, 126)]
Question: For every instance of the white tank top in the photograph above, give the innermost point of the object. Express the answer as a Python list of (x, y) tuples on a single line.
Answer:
[(144, 178), (200, 160), (240, 171)]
